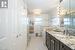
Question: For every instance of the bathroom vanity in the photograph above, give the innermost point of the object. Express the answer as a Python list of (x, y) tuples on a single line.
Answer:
[(59, 41)]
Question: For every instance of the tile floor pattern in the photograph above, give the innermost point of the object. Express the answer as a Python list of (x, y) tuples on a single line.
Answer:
[(36, 43)]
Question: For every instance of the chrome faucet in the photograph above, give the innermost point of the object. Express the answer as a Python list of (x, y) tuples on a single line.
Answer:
[(66, 32)]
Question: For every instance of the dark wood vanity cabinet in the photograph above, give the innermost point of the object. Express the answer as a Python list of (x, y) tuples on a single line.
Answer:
[(53, 44), (56, 45), (48, 41), (64, 47)]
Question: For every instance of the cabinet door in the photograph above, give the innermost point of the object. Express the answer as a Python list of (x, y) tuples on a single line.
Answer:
[(48, 41), (52, 44), (64, 47), (56, 45)]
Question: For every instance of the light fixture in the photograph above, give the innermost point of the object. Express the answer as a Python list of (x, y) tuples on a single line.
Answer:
[(37, 11), (61, 11)]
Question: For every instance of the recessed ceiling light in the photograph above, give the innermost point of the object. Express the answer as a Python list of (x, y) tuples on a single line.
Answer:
[(37, 11)]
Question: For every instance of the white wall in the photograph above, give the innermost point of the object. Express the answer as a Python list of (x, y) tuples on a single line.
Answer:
[(13, 26)]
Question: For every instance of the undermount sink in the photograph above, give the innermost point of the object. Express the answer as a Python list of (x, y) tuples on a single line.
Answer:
[(69, 40), (57, 30), (72, 37), (72, 41), (60, 35)]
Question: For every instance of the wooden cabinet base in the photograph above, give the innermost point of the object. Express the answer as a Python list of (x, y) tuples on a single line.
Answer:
[(54, 44)]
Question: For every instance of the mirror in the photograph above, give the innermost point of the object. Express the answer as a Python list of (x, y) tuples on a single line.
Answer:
[(67, 11)]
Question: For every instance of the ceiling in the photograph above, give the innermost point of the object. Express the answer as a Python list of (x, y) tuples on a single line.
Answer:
[(44, 5), (48, 5)]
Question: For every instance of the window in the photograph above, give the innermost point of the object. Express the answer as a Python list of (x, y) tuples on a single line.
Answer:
[(38, 21), (67, 21)]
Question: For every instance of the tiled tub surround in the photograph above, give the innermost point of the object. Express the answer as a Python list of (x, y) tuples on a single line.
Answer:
[(66, 39)]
